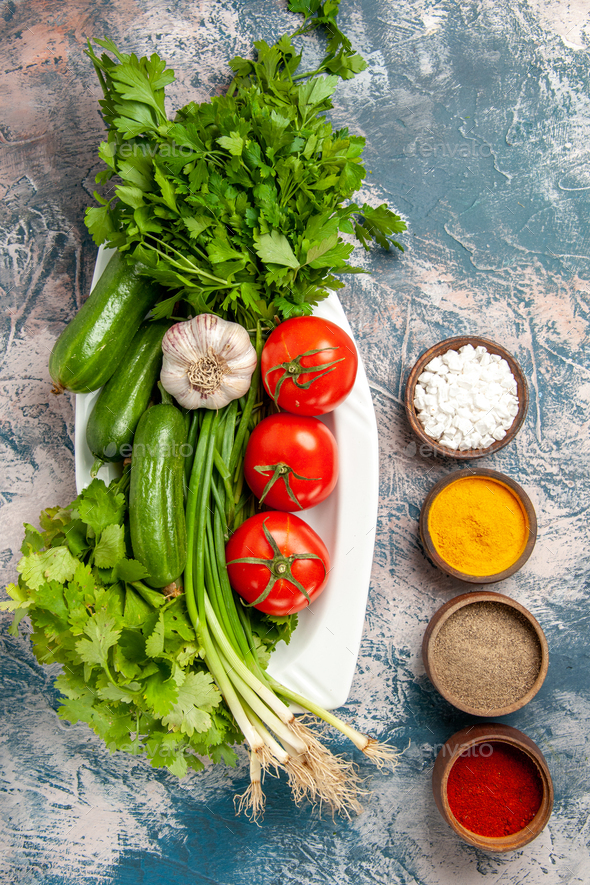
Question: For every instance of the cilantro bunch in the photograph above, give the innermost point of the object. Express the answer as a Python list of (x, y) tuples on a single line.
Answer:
[(238, 204), (131, 660)]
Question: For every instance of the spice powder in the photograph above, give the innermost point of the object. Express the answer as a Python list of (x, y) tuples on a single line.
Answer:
[(494, 789), (486, 655), (478, 525)]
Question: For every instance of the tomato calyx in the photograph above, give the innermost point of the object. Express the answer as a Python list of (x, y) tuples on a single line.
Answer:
[(293, 369), (279, 567), (282, 471)]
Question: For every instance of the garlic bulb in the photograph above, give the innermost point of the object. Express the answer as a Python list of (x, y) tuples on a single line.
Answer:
[(207, 362)]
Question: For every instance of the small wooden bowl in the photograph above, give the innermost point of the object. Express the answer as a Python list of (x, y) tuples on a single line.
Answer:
[(454, 344), (441, 563), (479, 734), (449, 609)]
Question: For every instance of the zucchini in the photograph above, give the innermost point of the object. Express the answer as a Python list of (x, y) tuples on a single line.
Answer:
[(125, 396), (93, 343), (156, 494)]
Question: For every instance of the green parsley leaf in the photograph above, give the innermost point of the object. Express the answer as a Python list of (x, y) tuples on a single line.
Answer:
[(33, 541), (126, 694), (160, 692), (197, 696), (19, 598), (154, 644), (99, 507), (130, 570), (55, 564), (102, 635), (234, 143), (111, 546), (274, 248), (136, 610)]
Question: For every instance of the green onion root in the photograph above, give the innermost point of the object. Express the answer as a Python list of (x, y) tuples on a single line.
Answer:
[(251, 803)]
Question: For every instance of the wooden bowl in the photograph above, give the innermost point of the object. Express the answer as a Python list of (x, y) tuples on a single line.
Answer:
[(433, 629), (454, 344), (441, 563), (479, 734)]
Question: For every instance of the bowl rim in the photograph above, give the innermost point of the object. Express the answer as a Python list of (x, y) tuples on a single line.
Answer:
[(500, 733), (435, 556), (453, 344), (446, 611)]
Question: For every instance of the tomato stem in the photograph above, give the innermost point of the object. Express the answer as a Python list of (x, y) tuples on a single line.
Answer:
[(282, 471), (293, 369)]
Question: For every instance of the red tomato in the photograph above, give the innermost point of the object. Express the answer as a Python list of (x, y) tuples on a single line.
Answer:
[(277, 563), (291, 462), (308, 365)]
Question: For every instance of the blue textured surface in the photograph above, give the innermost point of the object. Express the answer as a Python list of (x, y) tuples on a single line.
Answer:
[(477, 127)]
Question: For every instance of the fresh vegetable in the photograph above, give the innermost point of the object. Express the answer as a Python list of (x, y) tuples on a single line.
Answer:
[(138, 667), (291, 462), (309, 365), (247, 224), (234, 639), (156, 496), (207, 362), (237, 204), (93, 343), (277, 563), (125, 396), (118, 641)]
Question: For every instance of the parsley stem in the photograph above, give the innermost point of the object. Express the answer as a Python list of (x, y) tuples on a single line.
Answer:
[(192, 247), (192, 269), (320, 70)]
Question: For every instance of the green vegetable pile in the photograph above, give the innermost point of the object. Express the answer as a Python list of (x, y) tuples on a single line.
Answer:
[(132, 662), (238, 204), (237, 208)]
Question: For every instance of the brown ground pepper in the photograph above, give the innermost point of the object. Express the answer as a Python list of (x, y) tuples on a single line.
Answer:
[(487, 655)]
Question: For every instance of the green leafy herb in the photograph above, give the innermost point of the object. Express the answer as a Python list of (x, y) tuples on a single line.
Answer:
[(131, 665), (238, 204)]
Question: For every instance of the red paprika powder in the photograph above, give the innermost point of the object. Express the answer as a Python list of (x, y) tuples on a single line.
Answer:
[(494, 789)]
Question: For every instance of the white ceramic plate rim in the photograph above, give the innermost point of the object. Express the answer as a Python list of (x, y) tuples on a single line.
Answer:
[(320, 660)]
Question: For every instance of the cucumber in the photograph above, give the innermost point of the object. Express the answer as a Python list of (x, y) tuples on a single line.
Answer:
[(125, 396), (92, 344), (156, 495)]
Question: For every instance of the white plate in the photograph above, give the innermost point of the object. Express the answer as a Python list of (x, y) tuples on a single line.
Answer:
[(320, 660)]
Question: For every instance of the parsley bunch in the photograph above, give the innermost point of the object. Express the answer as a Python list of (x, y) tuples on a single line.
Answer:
[(238, 204), (132, 665)]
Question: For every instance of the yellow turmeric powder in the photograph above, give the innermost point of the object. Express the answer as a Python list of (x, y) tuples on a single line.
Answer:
[(478, 525)]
